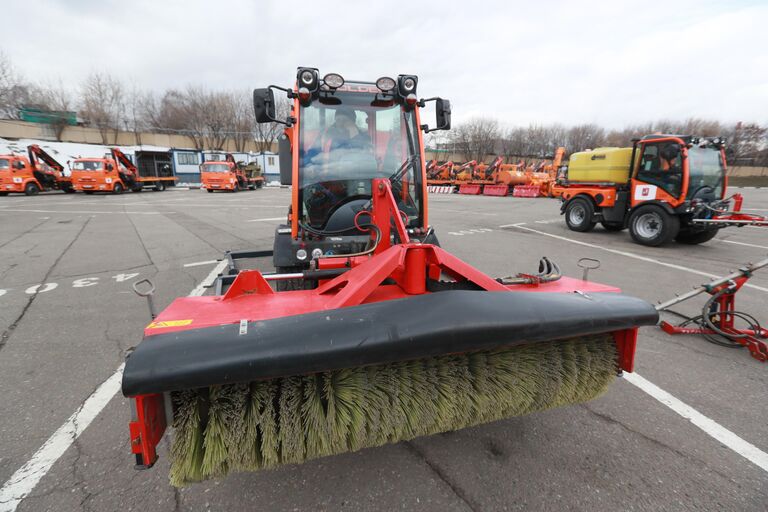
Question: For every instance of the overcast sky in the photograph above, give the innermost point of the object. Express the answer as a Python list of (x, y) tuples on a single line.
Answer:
[(611, 62)]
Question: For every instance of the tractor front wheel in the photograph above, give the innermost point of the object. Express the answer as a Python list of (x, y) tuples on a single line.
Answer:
[(579, 215), (117, 189), (651, 225)]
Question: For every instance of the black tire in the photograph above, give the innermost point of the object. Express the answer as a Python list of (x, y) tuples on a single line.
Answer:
[(579, 214), (695, 237), (117, 189), (160, 187), (210, 190), (236, 188), (612, 226), (652, 226), (31, 189), (3, 194), (68, 190)]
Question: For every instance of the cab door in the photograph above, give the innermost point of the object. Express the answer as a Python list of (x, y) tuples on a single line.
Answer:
[(660, 174)]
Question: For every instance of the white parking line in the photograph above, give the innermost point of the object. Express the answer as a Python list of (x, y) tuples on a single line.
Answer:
[(200, 263), (713, 429), (24, 480), (67, 212), (267, 219), (520, 225), (742, 243)]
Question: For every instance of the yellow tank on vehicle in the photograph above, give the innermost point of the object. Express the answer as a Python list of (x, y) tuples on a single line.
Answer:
[(601, 165)]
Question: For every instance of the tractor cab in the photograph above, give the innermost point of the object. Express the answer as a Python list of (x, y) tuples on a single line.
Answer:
[(679, 171), (339, 138)]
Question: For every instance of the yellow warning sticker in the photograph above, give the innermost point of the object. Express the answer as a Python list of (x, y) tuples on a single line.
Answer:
[(169, 323)]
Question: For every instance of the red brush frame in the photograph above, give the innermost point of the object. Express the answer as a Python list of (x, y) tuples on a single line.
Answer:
[(407, 263)]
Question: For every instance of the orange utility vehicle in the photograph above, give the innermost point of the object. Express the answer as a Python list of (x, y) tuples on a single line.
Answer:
[(227, 175), (440, 174), (664, 187), (113, 173), (33, 173)]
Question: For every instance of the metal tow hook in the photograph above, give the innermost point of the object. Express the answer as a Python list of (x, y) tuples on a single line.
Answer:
[(587, 264), (146, 293)]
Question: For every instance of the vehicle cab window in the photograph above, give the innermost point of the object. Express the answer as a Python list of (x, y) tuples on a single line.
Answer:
[(661, 164)]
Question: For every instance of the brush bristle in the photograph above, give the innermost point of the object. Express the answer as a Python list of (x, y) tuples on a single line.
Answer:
[(248, 427)]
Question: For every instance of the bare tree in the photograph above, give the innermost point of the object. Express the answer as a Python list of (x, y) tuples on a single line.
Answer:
[(584, 136), (476, 138), (13, 91), (57, 101), (267, 133), (103, 104), (242, 119)]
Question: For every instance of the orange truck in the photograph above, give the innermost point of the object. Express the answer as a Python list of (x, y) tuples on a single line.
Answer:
[(31, 174), (664, 187), (113, 173), (227, 175)]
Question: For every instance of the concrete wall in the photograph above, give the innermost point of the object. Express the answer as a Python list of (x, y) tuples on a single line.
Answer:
[(747, 171), (22, 130)]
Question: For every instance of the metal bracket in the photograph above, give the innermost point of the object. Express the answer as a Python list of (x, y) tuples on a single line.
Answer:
[(587, 264), (146, 293)]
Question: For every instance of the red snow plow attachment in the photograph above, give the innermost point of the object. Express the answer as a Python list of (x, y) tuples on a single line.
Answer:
[(405, 341)]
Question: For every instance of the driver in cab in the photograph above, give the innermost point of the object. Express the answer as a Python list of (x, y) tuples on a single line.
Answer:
[(349, 155)]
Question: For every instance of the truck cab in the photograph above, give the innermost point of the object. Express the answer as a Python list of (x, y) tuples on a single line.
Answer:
[(32, 174), (339, 137), (112, 173), (220, 175), (660, 189)]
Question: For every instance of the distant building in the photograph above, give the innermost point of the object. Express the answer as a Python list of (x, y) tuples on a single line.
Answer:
[(186, 163), (270, 165)]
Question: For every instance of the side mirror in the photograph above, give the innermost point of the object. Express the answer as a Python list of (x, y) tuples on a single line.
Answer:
[(19, 164), (286, 160), (110, 167), (442, 113), (264, 105)]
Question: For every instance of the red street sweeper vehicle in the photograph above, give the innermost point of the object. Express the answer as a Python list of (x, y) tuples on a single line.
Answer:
[(384, 336)]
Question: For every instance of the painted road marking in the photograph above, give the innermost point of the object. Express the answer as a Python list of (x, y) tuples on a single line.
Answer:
[(742, 243), (549, 221), (268, 219), (200, 263), (713, 429), (24, 480), (520, 225), (80, 211), (84, 282), (469, 231)]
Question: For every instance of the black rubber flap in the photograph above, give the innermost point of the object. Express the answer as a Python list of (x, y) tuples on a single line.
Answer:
[(416, 327)]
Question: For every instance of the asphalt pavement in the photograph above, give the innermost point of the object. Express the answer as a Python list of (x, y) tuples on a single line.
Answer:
[(68, 315)]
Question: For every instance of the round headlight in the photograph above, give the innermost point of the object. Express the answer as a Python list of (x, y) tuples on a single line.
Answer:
[(409, 84), (333, 80), (301, 254), (307, 77), (385, 84), (316, 253)]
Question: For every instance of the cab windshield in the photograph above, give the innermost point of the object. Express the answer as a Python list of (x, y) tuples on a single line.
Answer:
[(348, 138), (706, 169), (88, 165), (5, 163), (216, 168)]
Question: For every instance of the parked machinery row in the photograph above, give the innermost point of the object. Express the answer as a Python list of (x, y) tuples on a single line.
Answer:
[(38, 171), (497, 178)]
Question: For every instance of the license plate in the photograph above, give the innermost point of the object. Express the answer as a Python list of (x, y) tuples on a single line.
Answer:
[(87, 186)]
